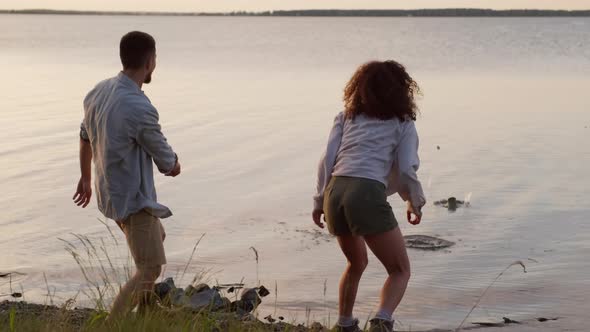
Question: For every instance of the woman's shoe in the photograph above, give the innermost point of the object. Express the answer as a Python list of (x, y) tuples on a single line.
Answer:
[(381, 325), (353, 328)]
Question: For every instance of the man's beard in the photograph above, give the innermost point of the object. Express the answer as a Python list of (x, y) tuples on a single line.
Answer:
[(148, 79)]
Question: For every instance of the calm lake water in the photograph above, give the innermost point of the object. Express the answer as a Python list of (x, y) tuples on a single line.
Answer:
[(247, 103)]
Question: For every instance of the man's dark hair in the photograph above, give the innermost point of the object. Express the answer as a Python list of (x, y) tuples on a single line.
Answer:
[(135, 49)]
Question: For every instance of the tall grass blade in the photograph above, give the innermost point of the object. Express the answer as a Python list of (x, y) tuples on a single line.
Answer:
[(486, 290), (191, 257)]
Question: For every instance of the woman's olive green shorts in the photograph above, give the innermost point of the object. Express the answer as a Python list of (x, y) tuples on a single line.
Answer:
[(357, 206)]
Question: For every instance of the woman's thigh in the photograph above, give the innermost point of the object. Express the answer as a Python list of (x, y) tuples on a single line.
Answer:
[(354, 248), (389, 247)]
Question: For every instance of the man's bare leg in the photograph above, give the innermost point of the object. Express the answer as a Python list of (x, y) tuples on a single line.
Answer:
[(137, 291)]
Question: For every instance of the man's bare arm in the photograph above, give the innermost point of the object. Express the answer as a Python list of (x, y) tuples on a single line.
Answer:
[(84, 189)]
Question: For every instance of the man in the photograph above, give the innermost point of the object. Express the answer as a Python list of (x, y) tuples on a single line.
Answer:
[(120, 131)]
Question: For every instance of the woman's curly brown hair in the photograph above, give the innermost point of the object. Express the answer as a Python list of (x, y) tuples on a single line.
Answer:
[(383, 90)]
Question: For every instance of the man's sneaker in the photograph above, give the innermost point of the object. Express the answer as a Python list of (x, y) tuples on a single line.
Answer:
[(381, 325), (353, 328)]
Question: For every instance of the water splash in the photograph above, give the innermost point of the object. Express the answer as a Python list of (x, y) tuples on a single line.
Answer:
[(468, 199)]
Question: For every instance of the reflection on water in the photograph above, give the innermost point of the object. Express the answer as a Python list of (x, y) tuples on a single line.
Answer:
[(248, 102)]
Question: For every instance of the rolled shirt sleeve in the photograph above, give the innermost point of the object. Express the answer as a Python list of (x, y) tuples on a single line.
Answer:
[(84, 132), (327, 161), (150, 137), (403, 178)]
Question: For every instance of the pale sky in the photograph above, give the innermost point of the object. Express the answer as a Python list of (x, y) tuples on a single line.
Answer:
[(260, 5)]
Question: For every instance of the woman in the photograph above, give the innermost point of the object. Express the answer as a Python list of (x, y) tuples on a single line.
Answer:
[(372, 153)]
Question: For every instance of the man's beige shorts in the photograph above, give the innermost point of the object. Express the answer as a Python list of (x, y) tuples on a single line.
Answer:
[(144, 234)]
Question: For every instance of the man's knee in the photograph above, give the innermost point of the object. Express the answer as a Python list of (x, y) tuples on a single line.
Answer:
[(149, 273)]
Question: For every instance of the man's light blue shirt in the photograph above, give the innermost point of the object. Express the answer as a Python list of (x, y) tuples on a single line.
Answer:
[(122, 126)]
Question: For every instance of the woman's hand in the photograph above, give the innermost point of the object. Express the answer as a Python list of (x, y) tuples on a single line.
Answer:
[(417, 213), (317, 217)]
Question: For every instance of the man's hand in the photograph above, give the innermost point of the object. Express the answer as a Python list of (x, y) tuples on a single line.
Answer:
[(84, 190), (317, 217), (417, 213), (83, 193), (175, 171)]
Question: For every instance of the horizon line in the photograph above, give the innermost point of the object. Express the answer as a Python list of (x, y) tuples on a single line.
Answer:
[(449, 12)]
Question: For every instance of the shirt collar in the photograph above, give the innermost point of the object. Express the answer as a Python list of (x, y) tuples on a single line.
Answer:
[(127, 81)]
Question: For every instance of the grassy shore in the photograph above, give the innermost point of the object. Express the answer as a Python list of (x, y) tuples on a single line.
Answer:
[(96, 259), (22, 316)]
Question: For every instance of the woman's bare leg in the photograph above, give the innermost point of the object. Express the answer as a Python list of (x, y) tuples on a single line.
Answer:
[(355, 250), (390, 249)]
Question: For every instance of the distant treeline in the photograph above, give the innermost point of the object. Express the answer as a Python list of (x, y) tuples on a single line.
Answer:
[(452, 12)]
